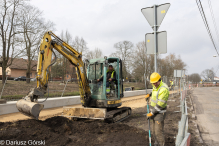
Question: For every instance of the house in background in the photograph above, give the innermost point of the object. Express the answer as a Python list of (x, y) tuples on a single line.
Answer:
[(216, 79), (19, 68)]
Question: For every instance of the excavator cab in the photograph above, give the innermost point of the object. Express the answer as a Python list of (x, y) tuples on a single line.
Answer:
[(105, 93)]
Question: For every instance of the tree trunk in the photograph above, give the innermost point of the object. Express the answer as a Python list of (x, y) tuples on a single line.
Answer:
[(28, 71), (27, 77), (4, 63), (28, 63), (4, 66)]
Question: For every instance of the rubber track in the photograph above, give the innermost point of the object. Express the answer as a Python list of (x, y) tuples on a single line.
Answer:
[(111, 114)]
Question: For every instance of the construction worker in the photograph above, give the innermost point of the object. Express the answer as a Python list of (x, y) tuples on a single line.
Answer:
[(111, 78), (171, 85), (159, 97)]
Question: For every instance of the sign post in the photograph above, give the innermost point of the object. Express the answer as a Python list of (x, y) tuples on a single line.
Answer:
[(179, 74), (155, 39)]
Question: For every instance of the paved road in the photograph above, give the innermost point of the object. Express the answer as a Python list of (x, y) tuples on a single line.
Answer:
[(206, 100)]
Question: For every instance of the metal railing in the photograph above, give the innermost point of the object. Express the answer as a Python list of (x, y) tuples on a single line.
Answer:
[(183, 137)]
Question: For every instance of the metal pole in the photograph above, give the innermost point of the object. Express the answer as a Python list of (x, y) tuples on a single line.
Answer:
[(145, 82), (179, 85), (175, 85), (149, 131), (145, 78), (184, 79), (64, 88), (155, 38), (180, 81)]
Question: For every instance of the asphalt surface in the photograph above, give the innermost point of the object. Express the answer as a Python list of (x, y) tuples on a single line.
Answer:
[(206, 102)]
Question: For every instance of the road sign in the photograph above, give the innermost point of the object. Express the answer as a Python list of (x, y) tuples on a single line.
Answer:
[(159, 13), (179, 73), (161, 43), (154, 15)]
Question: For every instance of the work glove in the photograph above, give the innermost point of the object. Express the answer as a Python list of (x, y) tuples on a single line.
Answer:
[(147, 97), (149, 115)]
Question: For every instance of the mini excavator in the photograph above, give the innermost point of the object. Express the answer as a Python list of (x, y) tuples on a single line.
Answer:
[(96, 102)]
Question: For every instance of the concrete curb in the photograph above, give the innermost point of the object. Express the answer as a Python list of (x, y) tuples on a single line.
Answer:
[(10, 107)]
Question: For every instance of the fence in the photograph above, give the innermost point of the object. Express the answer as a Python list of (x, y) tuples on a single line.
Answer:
[(183, 137), (208, 85), (204, 85)]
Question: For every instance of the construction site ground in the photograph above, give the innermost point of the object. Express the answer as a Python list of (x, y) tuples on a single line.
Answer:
[(58, 130)]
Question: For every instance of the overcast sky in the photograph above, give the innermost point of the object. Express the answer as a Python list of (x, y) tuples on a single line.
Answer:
[(104, 22)]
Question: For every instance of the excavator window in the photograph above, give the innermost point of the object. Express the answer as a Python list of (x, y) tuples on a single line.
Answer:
[(95, 72)]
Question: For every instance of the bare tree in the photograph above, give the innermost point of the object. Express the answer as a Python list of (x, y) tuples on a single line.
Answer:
[(9, 28), (65, 65), (97, 53), (208, 74), (194, 78), (34, 27), (169, 64), (141, 62), (63, 68), (80, 45), (124, 52)]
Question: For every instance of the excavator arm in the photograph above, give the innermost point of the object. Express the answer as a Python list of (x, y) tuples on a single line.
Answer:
[(29, 105)]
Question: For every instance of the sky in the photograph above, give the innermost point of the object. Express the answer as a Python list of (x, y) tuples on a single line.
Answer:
[(102, 23)]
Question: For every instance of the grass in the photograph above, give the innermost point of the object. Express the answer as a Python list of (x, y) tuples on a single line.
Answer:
[(15, 90)]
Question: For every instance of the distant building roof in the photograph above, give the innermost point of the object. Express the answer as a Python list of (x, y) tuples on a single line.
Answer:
[(216, 78), (20, 63)]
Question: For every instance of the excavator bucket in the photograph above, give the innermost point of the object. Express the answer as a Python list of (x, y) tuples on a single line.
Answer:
[(81, 112), (31, 109)]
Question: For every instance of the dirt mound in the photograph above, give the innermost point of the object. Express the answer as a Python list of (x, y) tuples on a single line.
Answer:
[(62, 131)]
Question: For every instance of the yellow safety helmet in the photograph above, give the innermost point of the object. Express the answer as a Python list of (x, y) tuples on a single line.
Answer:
[(155, 77)]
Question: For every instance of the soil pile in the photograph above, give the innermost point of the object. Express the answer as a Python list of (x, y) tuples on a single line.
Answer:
[(62, 131)]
